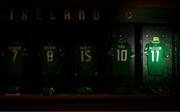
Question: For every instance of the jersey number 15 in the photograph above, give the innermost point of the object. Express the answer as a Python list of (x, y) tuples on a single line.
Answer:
[(85, 55)]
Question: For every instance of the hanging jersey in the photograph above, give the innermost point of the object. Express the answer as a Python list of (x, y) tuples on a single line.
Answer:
[(86, 59), (52, 59), (156, 52), (14, 58), (121, 54)]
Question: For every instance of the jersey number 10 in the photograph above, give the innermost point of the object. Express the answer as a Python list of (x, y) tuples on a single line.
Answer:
[(121, 55)]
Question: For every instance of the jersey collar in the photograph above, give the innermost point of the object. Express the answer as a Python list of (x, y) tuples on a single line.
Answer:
[(155, 42)]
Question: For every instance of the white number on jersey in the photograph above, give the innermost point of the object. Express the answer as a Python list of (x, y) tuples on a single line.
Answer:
[(85, 55), (14, 51), (49, 56), (121, 55), (153, 55)]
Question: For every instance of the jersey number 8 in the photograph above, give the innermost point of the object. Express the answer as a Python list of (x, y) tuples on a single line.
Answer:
[(49, 56)]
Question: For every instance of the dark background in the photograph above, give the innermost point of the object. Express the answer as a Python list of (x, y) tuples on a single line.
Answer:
[(149, 12)]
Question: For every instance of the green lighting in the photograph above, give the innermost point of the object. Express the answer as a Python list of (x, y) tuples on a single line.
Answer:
[(155, 39)]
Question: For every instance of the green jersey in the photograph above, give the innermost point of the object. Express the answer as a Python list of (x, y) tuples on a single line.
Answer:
[(156, 52), (86, 59), (13, 55), (121, 54), (52, 59)]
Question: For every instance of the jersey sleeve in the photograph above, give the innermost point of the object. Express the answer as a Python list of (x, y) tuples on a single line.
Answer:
[(166, 51), (131, 51), (24, 51), (61, 51), (110, 52), (146, 49)]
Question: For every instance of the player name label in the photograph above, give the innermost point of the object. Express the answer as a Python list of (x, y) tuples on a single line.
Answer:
[(155, 48)]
